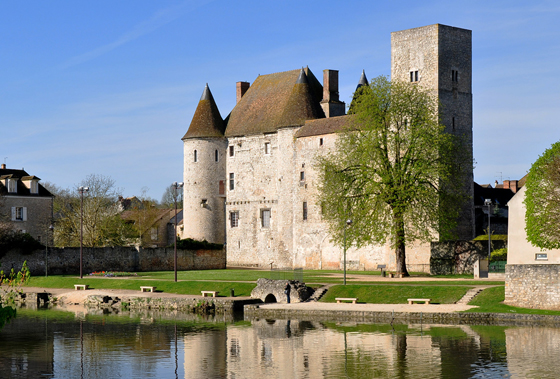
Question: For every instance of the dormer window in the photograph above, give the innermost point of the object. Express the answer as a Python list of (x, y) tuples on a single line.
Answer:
[(34, 187), (12, 185)]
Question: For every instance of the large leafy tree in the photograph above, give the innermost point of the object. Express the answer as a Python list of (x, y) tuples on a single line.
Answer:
[(394, 171), (102, 224), (542, 200)]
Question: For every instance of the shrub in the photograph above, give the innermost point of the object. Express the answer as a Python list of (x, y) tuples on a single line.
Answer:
[(191, 244), (499, 255)]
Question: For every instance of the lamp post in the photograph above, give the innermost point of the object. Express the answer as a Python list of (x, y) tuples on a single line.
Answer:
[(348, 223), (176, 187), (50, 229), (488, 202), (81, 191)]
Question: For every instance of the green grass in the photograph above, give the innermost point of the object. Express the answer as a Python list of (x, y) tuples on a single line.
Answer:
[(389, 294), (491, 300), (168, 286)]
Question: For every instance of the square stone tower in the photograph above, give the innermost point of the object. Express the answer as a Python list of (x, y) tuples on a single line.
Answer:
[(439, 57)]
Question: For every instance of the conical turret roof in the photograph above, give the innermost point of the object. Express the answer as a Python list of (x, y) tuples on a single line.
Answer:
[(359, 88), (363, 80), (301, 105), (207, 121)]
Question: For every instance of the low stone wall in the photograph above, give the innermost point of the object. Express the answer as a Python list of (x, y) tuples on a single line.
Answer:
[(131, 259), (533, 286), (458, 257)]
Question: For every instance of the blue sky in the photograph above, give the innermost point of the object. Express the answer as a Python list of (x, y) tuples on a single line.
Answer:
[(110, 87)]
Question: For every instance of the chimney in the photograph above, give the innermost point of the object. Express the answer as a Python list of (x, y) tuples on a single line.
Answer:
[(511, 184), (331, 104), (3, 166), (241, 88)]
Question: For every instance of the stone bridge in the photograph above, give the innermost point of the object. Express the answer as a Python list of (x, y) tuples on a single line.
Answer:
[(272, 291)]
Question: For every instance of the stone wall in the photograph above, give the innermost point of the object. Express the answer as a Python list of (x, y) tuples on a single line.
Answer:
[(533, 286), (67, 260), (458, 257)]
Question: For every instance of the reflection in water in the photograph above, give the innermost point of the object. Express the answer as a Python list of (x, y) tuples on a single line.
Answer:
[(56, 344)]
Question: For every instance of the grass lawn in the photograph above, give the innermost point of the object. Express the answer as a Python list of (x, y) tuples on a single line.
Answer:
[(390, 294), (491, 300), (168, 286)]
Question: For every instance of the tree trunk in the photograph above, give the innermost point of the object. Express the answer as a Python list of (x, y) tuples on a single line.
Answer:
[(400, 253)]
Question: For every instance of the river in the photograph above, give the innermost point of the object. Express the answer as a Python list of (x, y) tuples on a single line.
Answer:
[(61, 344)]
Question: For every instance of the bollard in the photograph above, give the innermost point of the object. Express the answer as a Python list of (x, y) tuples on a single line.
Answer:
[(232, 292)]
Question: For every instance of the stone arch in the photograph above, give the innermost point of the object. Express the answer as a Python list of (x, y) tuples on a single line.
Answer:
[(270, 298)]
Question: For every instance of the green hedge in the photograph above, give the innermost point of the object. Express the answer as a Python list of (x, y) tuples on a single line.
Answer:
[(191, 244)]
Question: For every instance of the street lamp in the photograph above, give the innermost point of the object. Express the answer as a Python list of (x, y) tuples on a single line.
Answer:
[(47, 249), (176, 187), (488, 203), (348, 223), (81, 191)]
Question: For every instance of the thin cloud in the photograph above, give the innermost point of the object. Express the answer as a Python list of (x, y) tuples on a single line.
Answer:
[(159, 19)]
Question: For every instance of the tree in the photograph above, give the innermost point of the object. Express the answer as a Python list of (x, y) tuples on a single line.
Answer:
[(102, 224), (144, 214), (542, 200), (167, 200), (393, 171)]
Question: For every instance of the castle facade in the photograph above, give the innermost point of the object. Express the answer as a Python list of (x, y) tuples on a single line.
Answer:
[(250, 181)]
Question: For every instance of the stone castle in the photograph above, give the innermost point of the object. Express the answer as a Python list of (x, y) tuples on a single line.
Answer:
[(250, 182)]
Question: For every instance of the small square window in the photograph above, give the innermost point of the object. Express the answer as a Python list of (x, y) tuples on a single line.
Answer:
[(234, 219), (541, 257), (231, 151), (265, 218), (267, 147)]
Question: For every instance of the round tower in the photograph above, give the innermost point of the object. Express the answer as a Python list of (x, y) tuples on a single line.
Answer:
[(204, 173)]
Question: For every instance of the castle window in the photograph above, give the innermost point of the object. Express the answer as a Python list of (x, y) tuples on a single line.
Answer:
[(222, 187), (320, 142), (234, 219), (196, 156), (414, 76), (304, 210), (454, 76), (267, 147), (453, 122), (216, 156), (231, 181), (265, 218), (302, 176), (231, 151)]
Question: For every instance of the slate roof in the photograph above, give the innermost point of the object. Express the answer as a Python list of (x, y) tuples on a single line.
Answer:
[(21, 189), (323, 126), (274, 101), (207, 121)]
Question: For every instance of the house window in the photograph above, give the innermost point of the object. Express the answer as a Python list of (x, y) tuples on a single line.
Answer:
[(320, 142), (304, 210), (414, 76), (267, 147), (234, 219), (265, 218), (12, 185), (154, 233), (231, 151), (231, 181), (216, 156), (196, 156), (19, 214)]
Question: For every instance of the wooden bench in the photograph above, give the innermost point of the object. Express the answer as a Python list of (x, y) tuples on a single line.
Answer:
[(147, 289), (412, 301), (78, 287), (213, 293), (341, 299)]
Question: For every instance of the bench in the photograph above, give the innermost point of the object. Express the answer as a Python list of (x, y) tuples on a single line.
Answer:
[(78, 287), (147, 289), (341, 299), (412, 301), (213, 293)]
